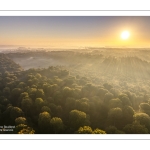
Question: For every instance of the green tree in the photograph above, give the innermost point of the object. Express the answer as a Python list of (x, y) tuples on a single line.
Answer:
[(135, 128), (77, 93), (70, 104), (107, 86), (128, 113), (24, 129), (23, 95), (77, 119), (125, 100), (115, 92), (15, 93), (85, 130), (40, 93), (32, 93), (98, 131), (67, 92), (47, 89), (21, 85), (113, 103), (6, 115), (15, 113), (59, 111), (6, 92), (113, 130), (46, 108), (89, 90), (44, 122), (38, 76), (145, 108), (27, 130), (143, 119), (53, 108), (19, 127), (4, 101), (26, 105), (108, 97), (115, 116), (102, 92), (20, 120), (39, 103), (58, 98), (56, 125), (84, 106)]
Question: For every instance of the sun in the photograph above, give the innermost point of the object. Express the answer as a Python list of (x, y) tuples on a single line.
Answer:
[(125, 35)]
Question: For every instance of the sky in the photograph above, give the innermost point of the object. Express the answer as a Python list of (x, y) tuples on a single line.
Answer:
[(74, 31)]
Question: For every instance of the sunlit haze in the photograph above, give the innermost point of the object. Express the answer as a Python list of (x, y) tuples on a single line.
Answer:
[(74, 31)]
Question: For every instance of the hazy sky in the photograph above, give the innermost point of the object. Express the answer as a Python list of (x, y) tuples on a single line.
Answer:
[(74, 31)]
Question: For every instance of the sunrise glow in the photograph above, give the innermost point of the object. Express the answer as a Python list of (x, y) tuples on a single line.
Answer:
[(125, 35)]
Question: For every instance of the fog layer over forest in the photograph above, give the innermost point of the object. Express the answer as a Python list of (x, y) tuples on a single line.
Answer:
[(95, 91), (125, 67)]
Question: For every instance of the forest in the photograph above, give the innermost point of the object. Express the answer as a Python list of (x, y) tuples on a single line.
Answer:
[(89, 91)]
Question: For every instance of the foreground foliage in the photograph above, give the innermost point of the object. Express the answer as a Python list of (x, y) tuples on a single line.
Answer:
[(55, 100)]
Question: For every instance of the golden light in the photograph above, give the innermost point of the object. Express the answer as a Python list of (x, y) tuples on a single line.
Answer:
[(125, 35)]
